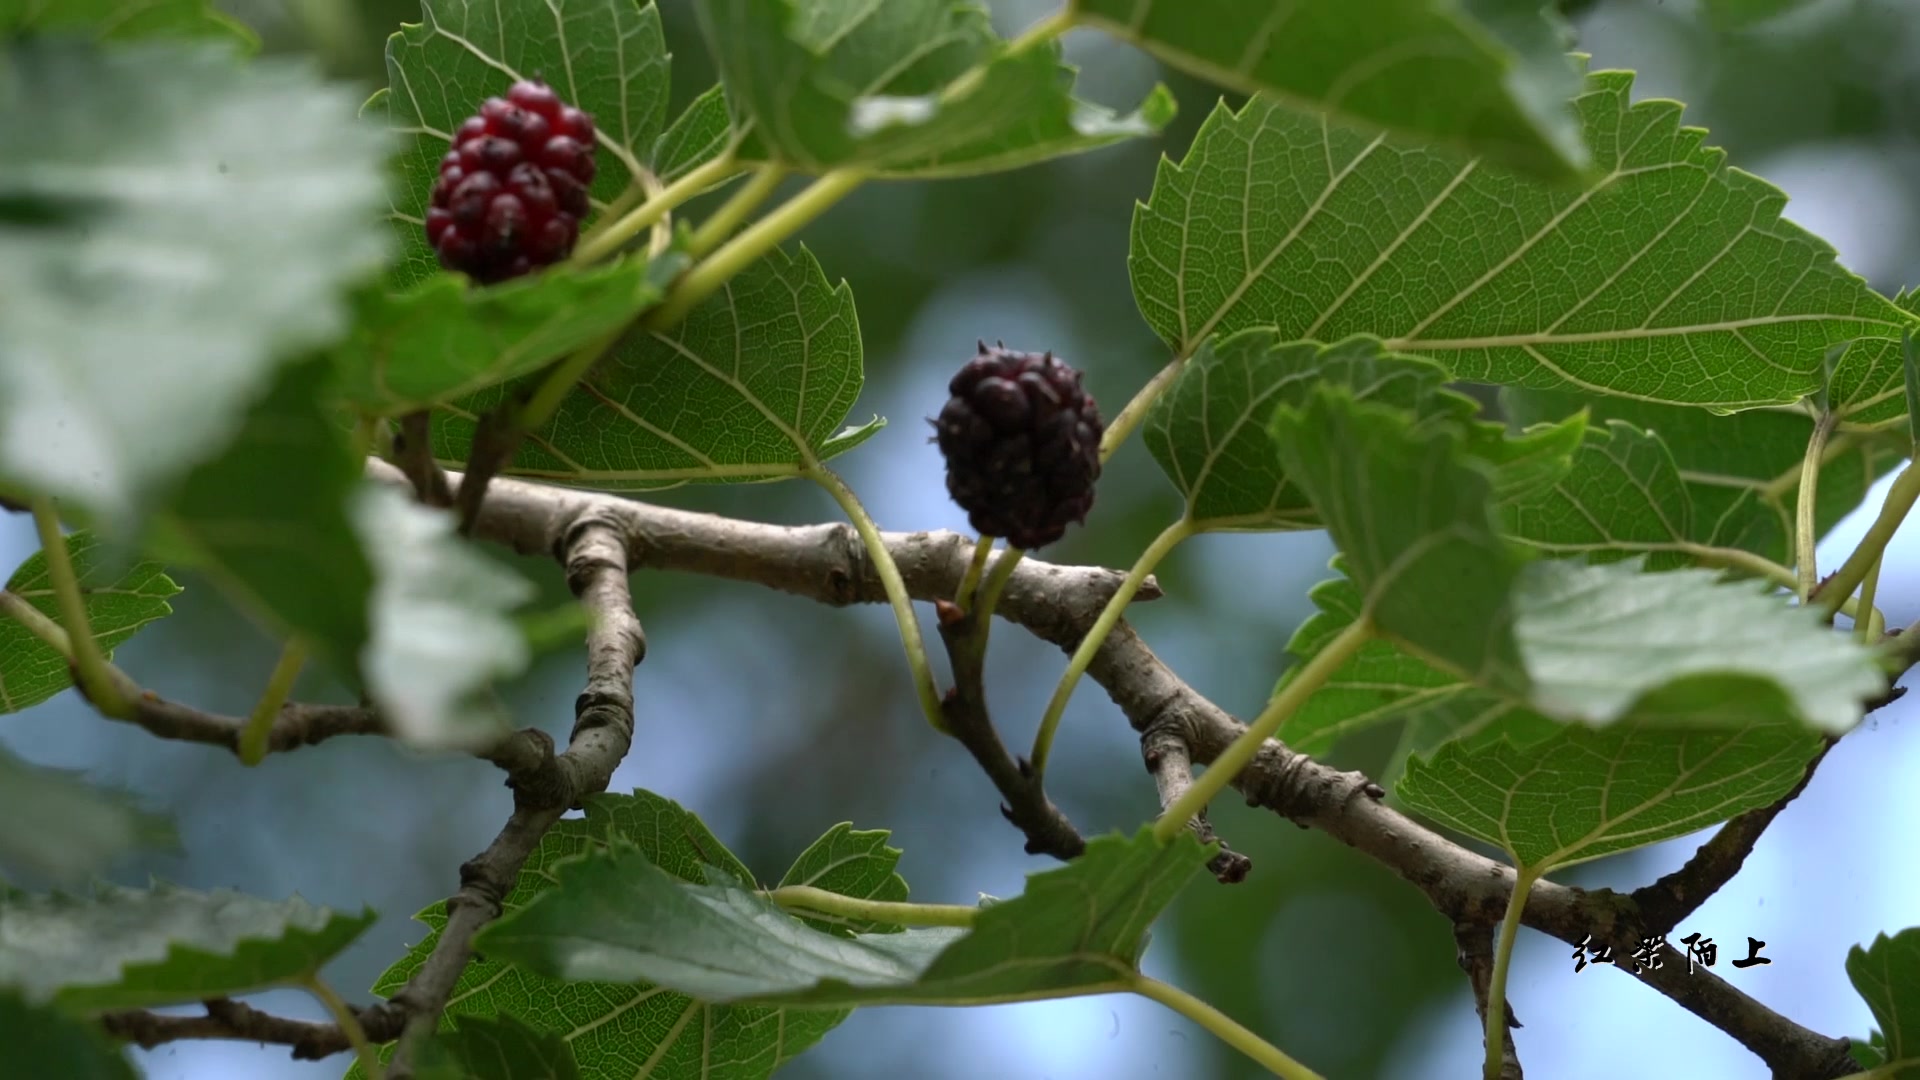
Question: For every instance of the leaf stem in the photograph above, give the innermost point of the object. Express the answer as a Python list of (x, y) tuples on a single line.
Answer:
[(617, 209), (1900, 499), (343, 1015), (1089, 646), (1226, 1028), (36, 623), (609, 239), (560, 381), (895, 586), (997, 579), (762, 236), (1136, 410), (1241, 751), (89, 663), (808, 898), (1806, 526), (1865, 624), (720, 224), (1502, 963), (286, 671), (982, 551)]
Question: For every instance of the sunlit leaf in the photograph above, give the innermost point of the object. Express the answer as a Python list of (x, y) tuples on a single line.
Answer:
[(1887, 975)]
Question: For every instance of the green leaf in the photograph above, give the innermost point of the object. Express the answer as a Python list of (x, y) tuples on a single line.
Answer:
[(604, 56), (1623, 496), (53, 825), (200, 218), (703, 130), (267, 520), (441, 632), (1738, 14), (1413, 514), (120, 599), (1378, 61), (1742, 472), (42, 1041), (441, 340), (754, 383), (1672, 278), (823, 84), (851, 862), (1606, 644), (1585, 793), (495, 1048), (136, 948), (1887, 975), (616, 917), (126, 20), (614, 1028)]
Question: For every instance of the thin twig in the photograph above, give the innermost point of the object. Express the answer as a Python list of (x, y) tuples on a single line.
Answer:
[(413, 453), (1473, 944), (1168, 759)]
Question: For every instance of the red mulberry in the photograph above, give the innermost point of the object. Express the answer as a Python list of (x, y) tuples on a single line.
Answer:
[(1022, 442), (513, 189)]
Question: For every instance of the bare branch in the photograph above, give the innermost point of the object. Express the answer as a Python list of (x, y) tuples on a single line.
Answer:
[(296, 726), (227, 1019), (965, 711), (1167, 758), (1058, 604), (1473, 943)]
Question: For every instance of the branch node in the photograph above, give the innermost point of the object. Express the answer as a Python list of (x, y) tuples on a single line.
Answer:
[(1165, 751)]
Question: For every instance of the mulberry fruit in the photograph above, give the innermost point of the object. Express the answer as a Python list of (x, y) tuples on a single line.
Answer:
[(1022, 442), (513, 189)]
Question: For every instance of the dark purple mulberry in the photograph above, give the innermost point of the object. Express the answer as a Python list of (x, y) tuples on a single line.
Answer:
[(513, 189), (1022, 442)]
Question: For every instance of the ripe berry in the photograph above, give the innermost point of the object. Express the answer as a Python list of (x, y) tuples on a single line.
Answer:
[(1022, 443), (513, 188)]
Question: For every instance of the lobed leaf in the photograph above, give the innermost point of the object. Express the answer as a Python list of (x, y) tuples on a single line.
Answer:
[(701, 133), (754, 384), (1623, 496), (147, 294), (824, 84), (439, 628), (119, 599), (604, 56), (1377, 61), (1671, 278), (1583, 793), (494, 1048), (615, 1030), (614, 916), (54, 825), (850, 862), (125, 948)]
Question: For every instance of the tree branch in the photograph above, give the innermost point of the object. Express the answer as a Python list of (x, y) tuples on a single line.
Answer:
[(1473, 943), (1168, 760), (227, 1019), (1057, 603), (1679, 894), (964, 710)]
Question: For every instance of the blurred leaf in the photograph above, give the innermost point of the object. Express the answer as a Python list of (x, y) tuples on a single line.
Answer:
[(1502, 62), (494, 1048), (823, 84), (1673, 278), (604, 56), (1584, 793), (440, 339), (1413, 514), (1623, 496), (267, 520), (613, 1029), (441, 632), (120, 599), (215, 208), (1608, 643), (753, 383), (54, 825), (136, 948), (1742, 472), (1887, 975), (45, 1042), (851, 862), (702, 131), (126, 20), (614, 916)]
